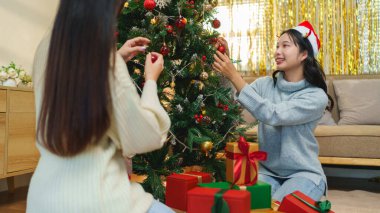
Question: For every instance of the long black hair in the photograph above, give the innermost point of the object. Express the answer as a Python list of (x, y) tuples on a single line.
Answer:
[(312, 69), (76, 96)]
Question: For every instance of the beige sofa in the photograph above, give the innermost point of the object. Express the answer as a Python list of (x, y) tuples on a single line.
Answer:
[(351, 135)]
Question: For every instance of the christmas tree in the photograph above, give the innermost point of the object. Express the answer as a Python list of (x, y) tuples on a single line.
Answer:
[(204, 114)]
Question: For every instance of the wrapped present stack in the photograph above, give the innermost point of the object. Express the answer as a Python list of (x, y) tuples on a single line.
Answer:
[(242, 166), (242, 175), (177, 186)]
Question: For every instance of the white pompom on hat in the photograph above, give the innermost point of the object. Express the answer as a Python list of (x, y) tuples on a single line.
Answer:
[(308, 32)]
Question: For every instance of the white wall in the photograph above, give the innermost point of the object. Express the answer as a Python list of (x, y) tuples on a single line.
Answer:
[(22, 25)]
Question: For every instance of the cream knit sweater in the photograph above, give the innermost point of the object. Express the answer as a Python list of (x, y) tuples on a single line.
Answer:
[(96, 180)]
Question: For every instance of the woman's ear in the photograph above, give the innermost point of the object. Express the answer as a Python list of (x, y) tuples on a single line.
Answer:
[(303, 55)]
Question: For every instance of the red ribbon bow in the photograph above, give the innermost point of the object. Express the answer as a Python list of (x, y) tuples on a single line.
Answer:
[(251, 160)]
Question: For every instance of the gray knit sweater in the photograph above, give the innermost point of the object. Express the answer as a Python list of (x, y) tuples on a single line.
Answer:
[(288, 114)]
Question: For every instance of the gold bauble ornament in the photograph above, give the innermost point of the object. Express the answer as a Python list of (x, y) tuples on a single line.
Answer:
[(206, 147), (166, 104), (137, 71), (192, 67), (153, 21), (203, 76), (213, 3), (172, 84), (126, 4), (203, 112), (169, 93), (197, 84), (201, 85), (208, 7)]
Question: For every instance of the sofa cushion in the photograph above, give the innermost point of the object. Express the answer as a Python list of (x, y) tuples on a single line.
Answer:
[(358, 101), (350, 141), (327, 119)]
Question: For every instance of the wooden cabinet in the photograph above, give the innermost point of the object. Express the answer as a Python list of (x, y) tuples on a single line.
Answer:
[(18, 152)]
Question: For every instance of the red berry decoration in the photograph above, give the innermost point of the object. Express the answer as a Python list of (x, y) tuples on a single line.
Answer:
[(204, 58), (149, 4), (191, 4), (181, 22), (222, 49), (169, 29), (154, 58), (164, 50), (216, 23)]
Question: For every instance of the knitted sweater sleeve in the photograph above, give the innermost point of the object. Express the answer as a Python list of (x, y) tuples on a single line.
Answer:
[(141, 122), (302, 108)]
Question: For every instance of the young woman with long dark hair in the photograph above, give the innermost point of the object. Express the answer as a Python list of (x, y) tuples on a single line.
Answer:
[(90, 116), (288, 106)]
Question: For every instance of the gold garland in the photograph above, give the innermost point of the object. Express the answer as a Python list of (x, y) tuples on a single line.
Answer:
[(349, 31)]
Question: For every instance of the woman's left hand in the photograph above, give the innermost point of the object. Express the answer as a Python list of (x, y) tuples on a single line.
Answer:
[(224, 65), (133, 47)]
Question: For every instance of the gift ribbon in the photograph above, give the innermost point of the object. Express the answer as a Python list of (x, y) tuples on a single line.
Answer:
[(251, 160), (199, 177), (323, 206), (220, 205)]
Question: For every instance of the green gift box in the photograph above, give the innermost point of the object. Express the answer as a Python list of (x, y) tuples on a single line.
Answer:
[(260, 192)]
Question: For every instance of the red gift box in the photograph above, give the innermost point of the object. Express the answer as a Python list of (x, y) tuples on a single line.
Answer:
[(297, 202), (201, 200), (177, 186)]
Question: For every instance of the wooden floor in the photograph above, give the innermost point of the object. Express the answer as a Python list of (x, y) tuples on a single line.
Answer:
[(13, 202)]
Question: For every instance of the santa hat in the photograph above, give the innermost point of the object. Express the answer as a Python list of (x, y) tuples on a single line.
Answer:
[(308, 32)]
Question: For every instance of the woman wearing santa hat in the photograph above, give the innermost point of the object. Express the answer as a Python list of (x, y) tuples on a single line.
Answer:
[(288, 106)]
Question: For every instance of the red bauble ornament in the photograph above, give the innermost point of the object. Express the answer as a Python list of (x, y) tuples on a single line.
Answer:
[(204, 58), (164, 50), (149, 4), (154, 58), (181, 22), (216, 23), (222, 49), (169, 29)]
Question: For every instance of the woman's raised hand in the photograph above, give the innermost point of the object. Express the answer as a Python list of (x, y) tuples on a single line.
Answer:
[(132, 47), (154, 64)]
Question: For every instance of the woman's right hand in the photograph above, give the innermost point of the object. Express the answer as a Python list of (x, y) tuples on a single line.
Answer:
[(153, 68), (223, 42)]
